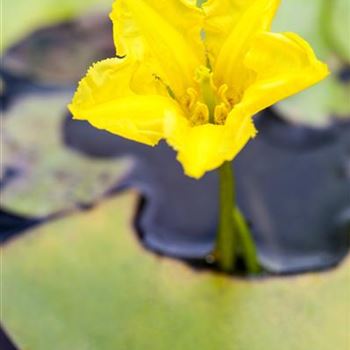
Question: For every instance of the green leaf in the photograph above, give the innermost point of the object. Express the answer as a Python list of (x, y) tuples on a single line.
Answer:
[(317, 105), (339, 27), (85, 282), (303, 17), (24, 16), (61, 54), (51, 178)]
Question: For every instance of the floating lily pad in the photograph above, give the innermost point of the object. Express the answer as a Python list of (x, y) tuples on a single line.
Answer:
[(329, 98), (61, 54), (338, 26), (303, 18), (23, 16), (319, 105), (84, 282), (49, 178), (11, 224)]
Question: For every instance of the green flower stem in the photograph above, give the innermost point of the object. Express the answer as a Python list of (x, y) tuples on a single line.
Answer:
[(233, 232), (247, 244), (226, 238)]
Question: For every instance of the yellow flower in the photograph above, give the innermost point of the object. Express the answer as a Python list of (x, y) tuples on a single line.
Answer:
[(194, 76)]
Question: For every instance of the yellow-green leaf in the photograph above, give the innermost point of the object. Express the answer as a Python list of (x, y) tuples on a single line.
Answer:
[(317, 105), (85, 282), (339, 26), (49, 178)]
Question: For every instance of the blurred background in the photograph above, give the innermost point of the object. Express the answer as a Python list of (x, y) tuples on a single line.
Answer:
[(52, 166)]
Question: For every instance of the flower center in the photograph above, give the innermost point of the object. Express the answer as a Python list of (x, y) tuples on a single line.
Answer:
[(204, 77), (206, 103)]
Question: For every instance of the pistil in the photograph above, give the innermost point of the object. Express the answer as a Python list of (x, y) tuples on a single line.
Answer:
[(204, 77)]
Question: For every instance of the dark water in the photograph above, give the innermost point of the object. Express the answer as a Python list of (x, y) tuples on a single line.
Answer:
[(293, 185), (5, 342)]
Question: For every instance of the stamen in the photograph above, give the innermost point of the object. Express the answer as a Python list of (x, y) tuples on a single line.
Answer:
[(168, 88), (229, 96), (200, 114), (221, 113), (170, 92), (193, 94), (222, 94), (188, 100)]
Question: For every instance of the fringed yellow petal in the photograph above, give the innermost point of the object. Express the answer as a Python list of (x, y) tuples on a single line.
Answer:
[(204, 148), (283, 64), (231, 27), (106, 99), (221, 16), (164, 35)]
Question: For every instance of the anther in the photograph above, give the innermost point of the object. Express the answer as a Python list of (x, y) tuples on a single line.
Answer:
[(221, 112), (200, 114)]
